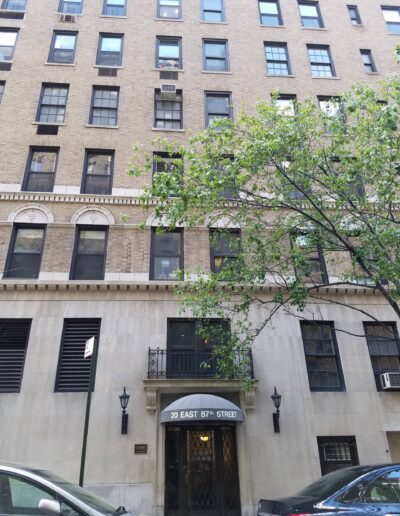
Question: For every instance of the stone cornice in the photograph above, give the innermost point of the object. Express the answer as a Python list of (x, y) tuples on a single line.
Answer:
[(70, 198)]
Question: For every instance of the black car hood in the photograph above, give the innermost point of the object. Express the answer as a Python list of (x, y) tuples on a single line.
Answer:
[(290, 504)]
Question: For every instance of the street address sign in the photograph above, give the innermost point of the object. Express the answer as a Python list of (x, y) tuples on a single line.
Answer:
[(89, 345)]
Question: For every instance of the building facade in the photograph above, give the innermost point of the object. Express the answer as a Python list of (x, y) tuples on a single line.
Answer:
[(81, 81)]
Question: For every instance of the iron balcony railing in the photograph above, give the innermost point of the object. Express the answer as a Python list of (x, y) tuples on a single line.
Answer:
[(192, 364)]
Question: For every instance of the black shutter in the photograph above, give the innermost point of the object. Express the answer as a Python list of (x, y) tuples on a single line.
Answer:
[(14, 335), (73, 370)]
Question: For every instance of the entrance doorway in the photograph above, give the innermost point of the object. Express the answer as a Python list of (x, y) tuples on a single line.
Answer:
[(201, 471)]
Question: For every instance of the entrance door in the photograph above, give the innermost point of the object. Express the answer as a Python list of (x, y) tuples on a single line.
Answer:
[(201, 471)]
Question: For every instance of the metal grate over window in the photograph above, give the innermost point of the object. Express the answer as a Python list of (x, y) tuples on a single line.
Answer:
[(14, 335), (337, 453), (73, 370)]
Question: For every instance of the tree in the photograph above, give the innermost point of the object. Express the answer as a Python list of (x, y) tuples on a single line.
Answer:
[(298, 184)]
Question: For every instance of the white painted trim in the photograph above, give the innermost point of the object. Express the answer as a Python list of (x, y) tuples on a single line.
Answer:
[(32, 213), (93, 215)]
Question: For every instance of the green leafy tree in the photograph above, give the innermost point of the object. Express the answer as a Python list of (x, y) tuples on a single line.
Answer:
[(299, 184)]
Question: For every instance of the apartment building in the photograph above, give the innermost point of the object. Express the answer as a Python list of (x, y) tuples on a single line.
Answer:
[(81, 81)]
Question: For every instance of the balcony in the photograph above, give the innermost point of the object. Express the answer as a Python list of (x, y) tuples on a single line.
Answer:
[(164, 364)]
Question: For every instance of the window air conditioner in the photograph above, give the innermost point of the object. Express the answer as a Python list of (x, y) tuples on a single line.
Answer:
[(390, 381), (68, 18), (168, 91)]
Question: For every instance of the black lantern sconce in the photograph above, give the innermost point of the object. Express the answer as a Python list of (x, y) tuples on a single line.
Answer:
[(124, 400), (276, 399)]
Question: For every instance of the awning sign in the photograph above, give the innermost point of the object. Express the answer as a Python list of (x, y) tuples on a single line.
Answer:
[(89, 345), (201, 407)]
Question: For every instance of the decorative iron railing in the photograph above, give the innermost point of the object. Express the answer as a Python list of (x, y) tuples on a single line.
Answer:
[(190, 364)]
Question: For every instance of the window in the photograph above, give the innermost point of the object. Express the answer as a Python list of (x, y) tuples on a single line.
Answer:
[(73, 369), (40, 169), (392, 18), (114, 7), (164, 162), (337, 453), (53, 103), (168, 113), (169, 54), (383, 347), (14, 335), (224, 248), (310, 15), (277, 58), (286, 104), (212, 10), (218, 107), (215, 55), (8, 37), (109, 52), (169, 9), (270, 12), (63, 47), (384, 490), (89, 253), (70, 6), (2, 86), (330, 106), (320, 61), (354, 15), (166, 254), (368, 62), (25, 251), (313, 267), (322, 356), (14, 5), (97, 173), (104, 106)]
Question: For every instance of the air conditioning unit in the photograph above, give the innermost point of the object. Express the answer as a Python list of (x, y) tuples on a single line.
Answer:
[(390, 381), (67, 18), (168, 91)]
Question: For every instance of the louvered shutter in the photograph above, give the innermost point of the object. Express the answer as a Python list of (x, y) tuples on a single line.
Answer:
[(74, 370), (14, 335)]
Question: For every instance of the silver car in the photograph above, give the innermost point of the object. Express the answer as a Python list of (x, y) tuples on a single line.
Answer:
[(34, 492)]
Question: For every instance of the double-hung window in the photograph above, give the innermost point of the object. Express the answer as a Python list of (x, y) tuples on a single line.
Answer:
[(166, 254), (53, 103), (14, 336), (89, 253), (169, 52), (310, 15), (70, 6), (215, 54), (383, 346), (109, 52), (8, 38), (368, 61), (63, 47), (168, 112), (165, 163), (169, 9), (218, 107), (277, 58), (97, 173), (354, 14), (14, 5), (311, 265), (392, 18), (114, 8), (25, 251), (270, 12), (225, 246), (40, 169), (212, 10), (286, 104), (322, 356), (321, 61), (104, 106), (337, 453)]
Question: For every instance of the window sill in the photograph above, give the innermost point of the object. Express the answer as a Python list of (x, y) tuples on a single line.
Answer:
[(168, 130), (372, 73), (281, 76), (327, 78), (12, 11), (169, 19), (113, 16), (72, 14), (107, 66), (49, 123), (216, 73), (394, 33), (214, 22), (358, 25), (169, 70), (102, 126), (323, 29), (273, 26), (59, 64)]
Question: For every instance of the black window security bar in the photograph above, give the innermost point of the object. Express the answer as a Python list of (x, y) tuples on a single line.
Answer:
[(337, 453), (191, 364), (14, 335)]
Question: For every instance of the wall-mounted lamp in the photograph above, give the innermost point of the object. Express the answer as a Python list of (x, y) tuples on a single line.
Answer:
[(276, 398), (124, 400)]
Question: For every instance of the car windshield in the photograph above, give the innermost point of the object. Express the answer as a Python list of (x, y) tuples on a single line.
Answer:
[(332, 482), (92, 500)]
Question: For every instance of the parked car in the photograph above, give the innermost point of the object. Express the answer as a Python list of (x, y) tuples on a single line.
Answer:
[(355, 491), (35, 492)]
